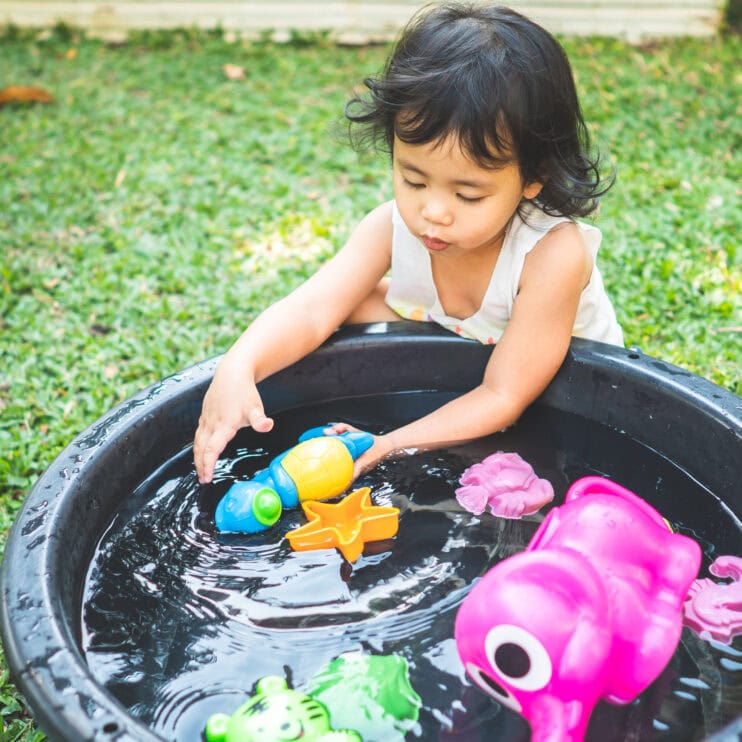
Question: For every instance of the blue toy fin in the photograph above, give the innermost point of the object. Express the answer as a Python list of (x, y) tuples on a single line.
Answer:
[(355, 441)]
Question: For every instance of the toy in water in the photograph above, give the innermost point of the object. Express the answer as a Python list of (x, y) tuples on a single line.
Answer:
[(319, 467), (506, 483), (591, 610), (346, 525), (713, 609), (370, 693), (274, 713)]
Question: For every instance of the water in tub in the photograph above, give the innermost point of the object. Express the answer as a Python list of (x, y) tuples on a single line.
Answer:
[(179, 621)]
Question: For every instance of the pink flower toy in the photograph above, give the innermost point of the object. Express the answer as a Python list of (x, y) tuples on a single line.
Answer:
[(505, 483), (714, 610), (591, 610)]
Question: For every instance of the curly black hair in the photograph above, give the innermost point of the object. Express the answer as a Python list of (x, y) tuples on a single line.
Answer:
[(501, 85)]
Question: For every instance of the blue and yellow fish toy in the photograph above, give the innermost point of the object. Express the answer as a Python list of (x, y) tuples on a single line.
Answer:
[(319, 467)]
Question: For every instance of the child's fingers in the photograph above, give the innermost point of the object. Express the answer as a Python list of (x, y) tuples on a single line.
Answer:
[(364, 462), (207, 456), (257, 419), (209, 443), (199, 441), (339, 429)]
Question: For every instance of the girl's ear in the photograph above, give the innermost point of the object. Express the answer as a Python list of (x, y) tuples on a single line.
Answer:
[(532, 190)]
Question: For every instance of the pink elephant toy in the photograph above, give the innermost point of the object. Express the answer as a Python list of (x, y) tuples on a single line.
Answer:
[(591, 610)]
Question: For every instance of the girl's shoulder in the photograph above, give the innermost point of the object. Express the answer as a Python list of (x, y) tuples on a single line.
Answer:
[(386, 210), (530, 217), (532, 226), (379, 219), (562, 252)]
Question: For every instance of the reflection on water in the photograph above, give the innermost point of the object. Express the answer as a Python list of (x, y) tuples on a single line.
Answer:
[(179, 622)]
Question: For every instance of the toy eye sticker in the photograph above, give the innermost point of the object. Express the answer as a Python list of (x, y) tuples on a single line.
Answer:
[(492, 688), (518, 656)]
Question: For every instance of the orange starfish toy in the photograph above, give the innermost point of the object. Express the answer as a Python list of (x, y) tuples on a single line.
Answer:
[(346, 525)]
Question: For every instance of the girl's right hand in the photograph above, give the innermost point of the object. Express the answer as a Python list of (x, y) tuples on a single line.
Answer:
[(231, 402), (285, 332)]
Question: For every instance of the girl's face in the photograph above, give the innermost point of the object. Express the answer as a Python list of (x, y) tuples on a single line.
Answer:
[(449, 202)]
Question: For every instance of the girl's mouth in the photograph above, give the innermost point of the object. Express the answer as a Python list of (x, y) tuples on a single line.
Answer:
[(432, 243)]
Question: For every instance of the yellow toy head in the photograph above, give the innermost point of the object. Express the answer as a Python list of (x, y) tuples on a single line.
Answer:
[(321, 468)]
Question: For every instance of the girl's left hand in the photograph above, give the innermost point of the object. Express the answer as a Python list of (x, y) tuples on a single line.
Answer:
[(381, 448)]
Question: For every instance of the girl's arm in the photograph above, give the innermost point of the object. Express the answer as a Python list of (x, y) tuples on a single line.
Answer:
[(286, 332), (523, 362)]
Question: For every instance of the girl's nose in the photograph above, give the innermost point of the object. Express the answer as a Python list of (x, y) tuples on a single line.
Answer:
[(436, 211)]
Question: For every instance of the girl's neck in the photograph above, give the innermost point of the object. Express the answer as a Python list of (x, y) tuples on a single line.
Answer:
[(461, 282)]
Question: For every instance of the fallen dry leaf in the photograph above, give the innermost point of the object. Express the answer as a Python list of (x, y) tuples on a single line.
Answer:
[(233, 72), (98, 329), (24, 94)]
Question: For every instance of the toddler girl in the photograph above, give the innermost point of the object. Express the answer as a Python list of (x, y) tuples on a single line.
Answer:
[(478, 109)]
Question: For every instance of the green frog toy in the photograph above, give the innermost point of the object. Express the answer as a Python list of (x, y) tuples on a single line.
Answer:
[(276, 713)]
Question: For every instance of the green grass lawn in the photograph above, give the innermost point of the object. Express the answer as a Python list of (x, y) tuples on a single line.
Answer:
[(156, 206)]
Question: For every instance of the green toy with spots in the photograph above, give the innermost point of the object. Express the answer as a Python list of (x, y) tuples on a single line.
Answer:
[(276, 713)]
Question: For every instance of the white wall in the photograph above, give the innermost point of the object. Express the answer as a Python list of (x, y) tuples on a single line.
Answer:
[(361, 20)]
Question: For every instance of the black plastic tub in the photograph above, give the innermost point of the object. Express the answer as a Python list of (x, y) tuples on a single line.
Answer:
[(682, 418)]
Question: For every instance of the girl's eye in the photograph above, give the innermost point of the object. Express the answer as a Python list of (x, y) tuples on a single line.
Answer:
[(470, 199), (416, 186)]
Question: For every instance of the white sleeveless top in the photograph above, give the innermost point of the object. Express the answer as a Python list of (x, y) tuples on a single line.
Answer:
[(412, 293)]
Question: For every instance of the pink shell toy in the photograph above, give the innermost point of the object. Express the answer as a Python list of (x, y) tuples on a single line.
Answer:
[(714, 610), (591, 610), (506, 483)]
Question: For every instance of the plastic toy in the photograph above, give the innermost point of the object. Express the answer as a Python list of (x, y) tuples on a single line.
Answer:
[(346, 525), (275, 713), (506, 483), (371, 693), (592, 609), (712, 609), (317, 468)]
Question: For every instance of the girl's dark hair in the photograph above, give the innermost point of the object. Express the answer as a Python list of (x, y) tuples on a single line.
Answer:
[(500, 84)]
